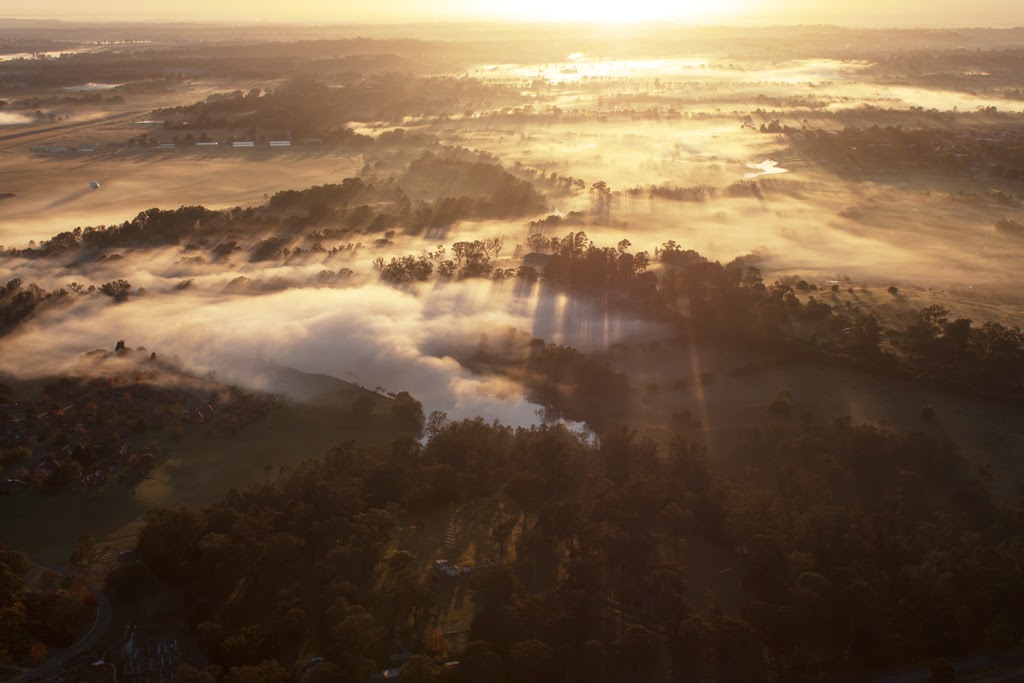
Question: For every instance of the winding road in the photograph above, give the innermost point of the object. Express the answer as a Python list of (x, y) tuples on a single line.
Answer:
[(58, 658)]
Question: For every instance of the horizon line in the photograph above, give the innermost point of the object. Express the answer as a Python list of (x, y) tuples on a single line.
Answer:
[(467, 22)]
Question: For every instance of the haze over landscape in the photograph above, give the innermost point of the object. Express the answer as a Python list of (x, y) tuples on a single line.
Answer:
[(916, 13), (512, 341)]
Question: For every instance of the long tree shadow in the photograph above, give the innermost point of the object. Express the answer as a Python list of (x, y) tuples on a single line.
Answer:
[(459, 596), (68, 198), (447, 587)]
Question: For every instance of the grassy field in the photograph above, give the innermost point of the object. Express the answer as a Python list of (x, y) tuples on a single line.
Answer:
[(743, 385), (52, 192)]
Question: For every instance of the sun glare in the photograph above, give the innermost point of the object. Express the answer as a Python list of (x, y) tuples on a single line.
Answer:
[(605, 11)]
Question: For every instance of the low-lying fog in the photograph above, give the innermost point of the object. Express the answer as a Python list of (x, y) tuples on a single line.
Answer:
[(808, 219), (372, 335), (12, 119), (840, 84), (579, 67)]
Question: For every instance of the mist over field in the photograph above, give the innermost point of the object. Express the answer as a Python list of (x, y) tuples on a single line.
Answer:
[(369, 334), (575, 342), (844, 166)]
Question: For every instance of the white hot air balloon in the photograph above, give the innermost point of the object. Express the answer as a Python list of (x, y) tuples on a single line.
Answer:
[(94, 184)]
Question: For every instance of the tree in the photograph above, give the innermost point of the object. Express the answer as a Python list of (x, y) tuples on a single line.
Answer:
[(419, 669), (357, 634), (37, 653), (14, 457), (65, 475), (501, 529), (408, 412), (689, 649), (17, 562), (187, 673), (664, 593), (527, 273), (528, 490), (13, 636), (267, 671), (242, 648), (532, 660), (920, 335), (956, 337), (323, 672), (437, 421), (410, 595), (640, 653), (85, 547), (169, 542), (436, 643), (538, 243), (739, 654), (117, 289), (493, 586), (10, 586), (480, 663), (603, 195)]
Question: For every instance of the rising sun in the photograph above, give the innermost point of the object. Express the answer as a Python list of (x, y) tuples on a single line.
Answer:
[(606, 11)]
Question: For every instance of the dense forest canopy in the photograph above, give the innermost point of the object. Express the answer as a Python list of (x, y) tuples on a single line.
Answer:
[(860, 547)]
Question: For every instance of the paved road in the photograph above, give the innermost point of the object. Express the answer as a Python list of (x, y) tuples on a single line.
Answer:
[(58, 658)]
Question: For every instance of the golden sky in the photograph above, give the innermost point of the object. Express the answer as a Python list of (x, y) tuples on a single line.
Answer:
[(855, 12)]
